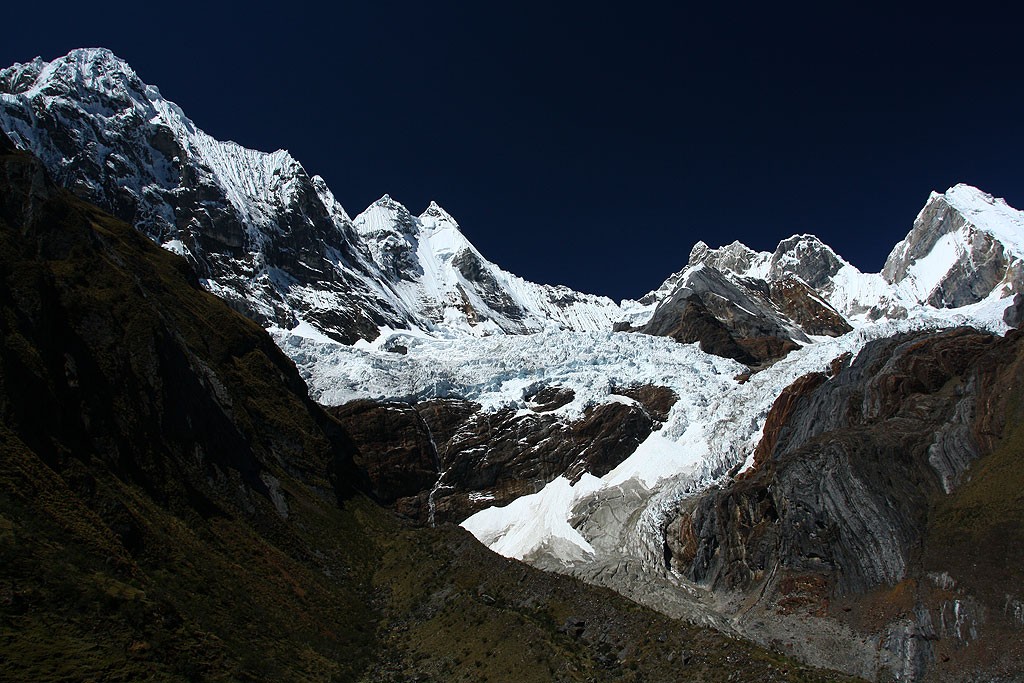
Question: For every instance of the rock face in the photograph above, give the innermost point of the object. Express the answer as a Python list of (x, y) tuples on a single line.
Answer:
[(65, 349), (394, 448), (839, 502), (443, 460), (261, 232), (961, 223), (147, 432), (749, 319)]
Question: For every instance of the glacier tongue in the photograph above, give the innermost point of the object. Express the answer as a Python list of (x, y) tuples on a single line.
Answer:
[(711, 431)]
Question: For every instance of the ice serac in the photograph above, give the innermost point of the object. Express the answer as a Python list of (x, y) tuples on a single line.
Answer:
[(964, 245), (259, 230)]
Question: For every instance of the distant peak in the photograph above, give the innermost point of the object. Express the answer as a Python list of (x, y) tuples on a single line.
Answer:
[(800, 243), (96, 61), (967, 197), (386, 202), (968, 194), (702, 253), (92, 68), (439, 215), (94, 55), (989, 214), (699, 252), (385, 214)]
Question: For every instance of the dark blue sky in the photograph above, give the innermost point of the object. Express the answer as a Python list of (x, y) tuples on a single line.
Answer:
[(592, 144)]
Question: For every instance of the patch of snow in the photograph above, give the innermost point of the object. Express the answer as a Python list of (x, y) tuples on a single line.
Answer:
[(503, 531)]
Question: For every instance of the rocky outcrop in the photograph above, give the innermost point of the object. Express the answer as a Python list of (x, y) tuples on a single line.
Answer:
[(749, 306), (394, 447), (839, 501), (805, 307), (807, 259), (656, 400), (729, 318), (443, 460)]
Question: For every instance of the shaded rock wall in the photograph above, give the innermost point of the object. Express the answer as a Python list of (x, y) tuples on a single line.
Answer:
[(443, 460), (838, 525)]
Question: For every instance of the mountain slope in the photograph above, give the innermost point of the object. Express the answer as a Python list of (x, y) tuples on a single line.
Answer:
[(262, 233), (862, 481), (174, 507)]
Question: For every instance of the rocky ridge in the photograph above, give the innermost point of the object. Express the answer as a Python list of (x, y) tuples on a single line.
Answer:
[(443, 460), (261, 232), (276, 244), (962, 250)]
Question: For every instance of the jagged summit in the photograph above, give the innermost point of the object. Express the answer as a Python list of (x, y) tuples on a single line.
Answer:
[(94, 67), (735, 257), (966, 249), (805, 257), (276, 243), (439, 215), (261, 232)]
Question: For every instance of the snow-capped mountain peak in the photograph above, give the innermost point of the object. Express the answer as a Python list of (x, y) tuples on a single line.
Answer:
[(989, 214), (736, 258), (965, 243), (277, 243), (805, 257), (261, 232), (434, 212), (96, 69)]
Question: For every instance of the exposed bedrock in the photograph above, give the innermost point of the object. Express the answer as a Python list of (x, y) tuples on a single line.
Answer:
[(749, 320), (443, 460), (841, 523)]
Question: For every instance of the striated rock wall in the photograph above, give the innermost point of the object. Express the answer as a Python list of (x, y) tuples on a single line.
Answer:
[(827, 528), (443, 460)]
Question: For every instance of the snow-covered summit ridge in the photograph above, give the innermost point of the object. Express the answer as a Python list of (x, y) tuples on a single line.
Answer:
[(261, 232), (990, 214), (433, 267), (276, 242)]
